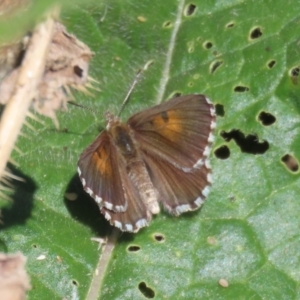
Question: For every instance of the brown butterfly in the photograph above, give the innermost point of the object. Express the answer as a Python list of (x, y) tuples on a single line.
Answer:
[(159, 156)]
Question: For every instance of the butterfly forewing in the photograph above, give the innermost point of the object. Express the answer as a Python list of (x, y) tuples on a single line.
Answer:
[(136, 215), (98, 169), (178, 131)]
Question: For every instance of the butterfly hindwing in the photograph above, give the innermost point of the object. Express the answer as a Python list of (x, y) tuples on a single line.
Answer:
[(179, 191), (99, 173)]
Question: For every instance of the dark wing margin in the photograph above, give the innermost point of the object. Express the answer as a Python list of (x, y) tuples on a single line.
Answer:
[(179, 130), (99, 173)]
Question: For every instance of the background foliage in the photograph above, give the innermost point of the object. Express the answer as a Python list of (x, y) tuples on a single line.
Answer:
[(245, 55)]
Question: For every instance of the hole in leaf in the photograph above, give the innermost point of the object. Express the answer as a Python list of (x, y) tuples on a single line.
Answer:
[(167, 24), (175, 95), (294, 75), (271, 64), (266, 119), (159, 237), (134, 248), (255, 33), (208, 45), (230, 25), (146, 291), (248, 144), (190, 9), (241, 89), (222, 152), (290, 162), (34, 246), (220, 110), (295, 72), (75, 282), (232, 198), (215, 65)]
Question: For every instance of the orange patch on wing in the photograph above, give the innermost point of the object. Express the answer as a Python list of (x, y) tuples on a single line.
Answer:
[(101, 160), (169, 124)]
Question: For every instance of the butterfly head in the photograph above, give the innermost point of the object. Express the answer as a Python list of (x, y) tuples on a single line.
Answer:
[(111, 120)]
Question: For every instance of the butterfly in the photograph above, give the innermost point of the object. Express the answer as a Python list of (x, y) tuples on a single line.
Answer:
[(159, 157)]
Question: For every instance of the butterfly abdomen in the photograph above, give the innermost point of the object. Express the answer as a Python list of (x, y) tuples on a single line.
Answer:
[(135, 167), (138, 174)]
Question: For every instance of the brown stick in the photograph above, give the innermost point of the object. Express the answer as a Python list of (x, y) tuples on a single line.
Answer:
[(31, 72)]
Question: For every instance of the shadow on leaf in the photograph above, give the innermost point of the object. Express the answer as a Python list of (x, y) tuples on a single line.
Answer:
[(85, 210), (22, 201)]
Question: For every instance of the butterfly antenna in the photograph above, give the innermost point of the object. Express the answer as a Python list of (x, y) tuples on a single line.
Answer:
[(81, 106), (135, 81)]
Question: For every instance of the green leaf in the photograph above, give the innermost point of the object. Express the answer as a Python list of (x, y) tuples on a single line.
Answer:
[(244, 55)]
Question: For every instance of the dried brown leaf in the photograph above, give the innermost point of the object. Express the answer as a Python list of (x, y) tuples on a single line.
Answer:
[(67, 64)]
